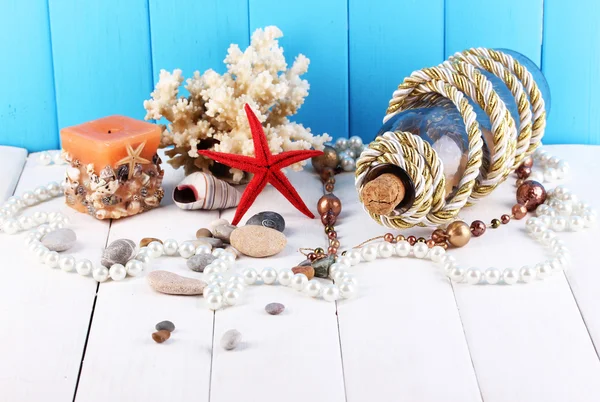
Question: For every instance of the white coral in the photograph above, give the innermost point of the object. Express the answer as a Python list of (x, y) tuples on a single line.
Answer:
[(213, 117)]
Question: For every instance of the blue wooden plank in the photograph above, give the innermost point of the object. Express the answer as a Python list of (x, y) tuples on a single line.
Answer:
[(318, 29), (27, 108), (195, 35), (508, 24), (571, 63), (102, 58), (386, 45)]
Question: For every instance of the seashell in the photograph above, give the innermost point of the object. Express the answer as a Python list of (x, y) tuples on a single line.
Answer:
[(204, 191), (153, 201), (107, 173), (73, 173)]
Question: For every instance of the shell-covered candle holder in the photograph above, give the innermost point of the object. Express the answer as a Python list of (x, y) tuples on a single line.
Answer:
[(114, 169), (455, 132)]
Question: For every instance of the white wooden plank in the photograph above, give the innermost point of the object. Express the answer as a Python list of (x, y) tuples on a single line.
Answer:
[(47, 311), (122, 362), (402, 337), (12, 161), (294, 356), (528, 342)]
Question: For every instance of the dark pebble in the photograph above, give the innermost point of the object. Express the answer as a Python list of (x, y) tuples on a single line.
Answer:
[(166, 325)]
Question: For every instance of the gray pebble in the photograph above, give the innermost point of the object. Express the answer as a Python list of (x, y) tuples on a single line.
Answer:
[(59, 239), (214, 242), (274, 308), (268, 219), (231, 339), (199, 262), (166, 325), (223, 232), (118, 252), (321, 266)]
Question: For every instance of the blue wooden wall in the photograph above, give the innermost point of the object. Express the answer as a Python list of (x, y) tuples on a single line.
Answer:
[(68, 61)]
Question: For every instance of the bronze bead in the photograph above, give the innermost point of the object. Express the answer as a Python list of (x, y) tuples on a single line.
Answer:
[(411, 240), (312, 256), (444, 245), (334, 243), (519, 182), (495, 223), (332, 250), (505, 219), (332, 234), (438, 235), (531, 194), (458, 233), (523, 172), (328, 218), (527, 162), (329, 187), (477, 228), (319, 250), (388, 237), (519, 211), (329, 159), (331, 180), (430, 243), (326, 174), (329, 202), (421, 240), (329, 228), (400, 238)]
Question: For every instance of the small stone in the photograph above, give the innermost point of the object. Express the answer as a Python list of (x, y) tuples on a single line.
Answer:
[(258, 241), (204, 232), (161, 336), (173, 284), (308, 271), (118, 252), (147, 240), (274, 308), (198, 262), (321, 266), (165, 325), (268, 219), (217, 222), (233, 251), (231, 339), (59, 239), (211, 241), (223, 232)]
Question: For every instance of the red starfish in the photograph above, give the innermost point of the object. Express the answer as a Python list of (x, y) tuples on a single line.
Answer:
[(266, 168)]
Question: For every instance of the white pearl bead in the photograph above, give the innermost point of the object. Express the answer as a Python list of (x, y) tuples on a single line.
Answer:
[(547, 236), (563, 261), (40, 252), (117, 272), (436, 253), (403, 248), (536, 231), (29, 198), (527, 274), (550, 175), (553, 161), (205, 249), (349, 278), (492, 275), (420, 250), (100, 274), (543, 270), (336, 266), (355, 142), (57, 158), (84, 267), (226, 256), (559, 223), (214, 301), (448, 267), (299, 281), (354, 255), (41, 193), (348, 164), (338, 275), (54, 189), (231, 297), (210, 269), (33, 246), (250, 276), (473, 276), (536, 176), (220, 265), (134, 267), (330, 293), (385, 249), (217, 252), (51, 259), (155, 249), (341, 144), (235, 286), (456, 273), (542, 210), (547, 219), (211, 289), (56, 225), (576, 223), (285, 277), (563, 209), (26, 222), (344, 260), (143, 257), (589, 219), (187, 249), (40, 217), (170, 247), (510, 276), (269, 275), (67, 263), (215, 277), (313, 288), (44, 158), (369, 253), (347, 290), (11, 226)]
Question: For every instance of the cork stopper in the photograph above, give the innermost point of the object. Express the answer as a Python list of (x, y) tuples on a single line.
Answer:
[(383, 194)]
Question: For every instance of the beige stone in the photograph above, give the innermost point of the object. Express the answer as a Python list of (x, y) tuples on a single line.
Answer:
[(173, 284), (258, 241)]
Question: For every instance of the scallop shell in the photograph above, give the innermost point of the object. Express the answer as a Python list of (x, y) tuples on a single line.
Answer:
[(204, 191)]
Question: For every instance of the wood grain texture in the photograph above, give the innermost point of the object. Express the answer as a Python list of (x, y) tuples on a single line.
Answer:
[(27, 104), (319, 30), (570, 63), (48, 309), (512, 24), (102, 59), (383, 52), (126, 313)]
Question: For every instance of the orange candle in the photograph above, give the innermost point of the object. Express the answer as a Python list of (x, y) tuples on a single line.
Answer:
[(115, 170)]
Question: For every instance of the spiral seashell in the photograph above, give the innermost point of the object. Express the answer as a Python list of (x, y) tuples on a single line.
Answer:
[(204, 191)]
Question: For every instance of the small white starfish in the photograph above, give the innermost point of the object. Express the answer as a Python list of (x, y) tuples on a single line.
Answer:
[(133, 157)]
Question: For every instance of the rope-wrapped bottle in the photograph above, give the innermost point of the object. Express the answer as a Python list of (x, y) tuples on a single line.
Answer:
[(451, 134)]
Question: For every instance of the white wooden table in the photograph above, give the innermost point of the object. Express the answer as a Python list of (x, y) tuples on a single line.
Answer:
[(410, 335)]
